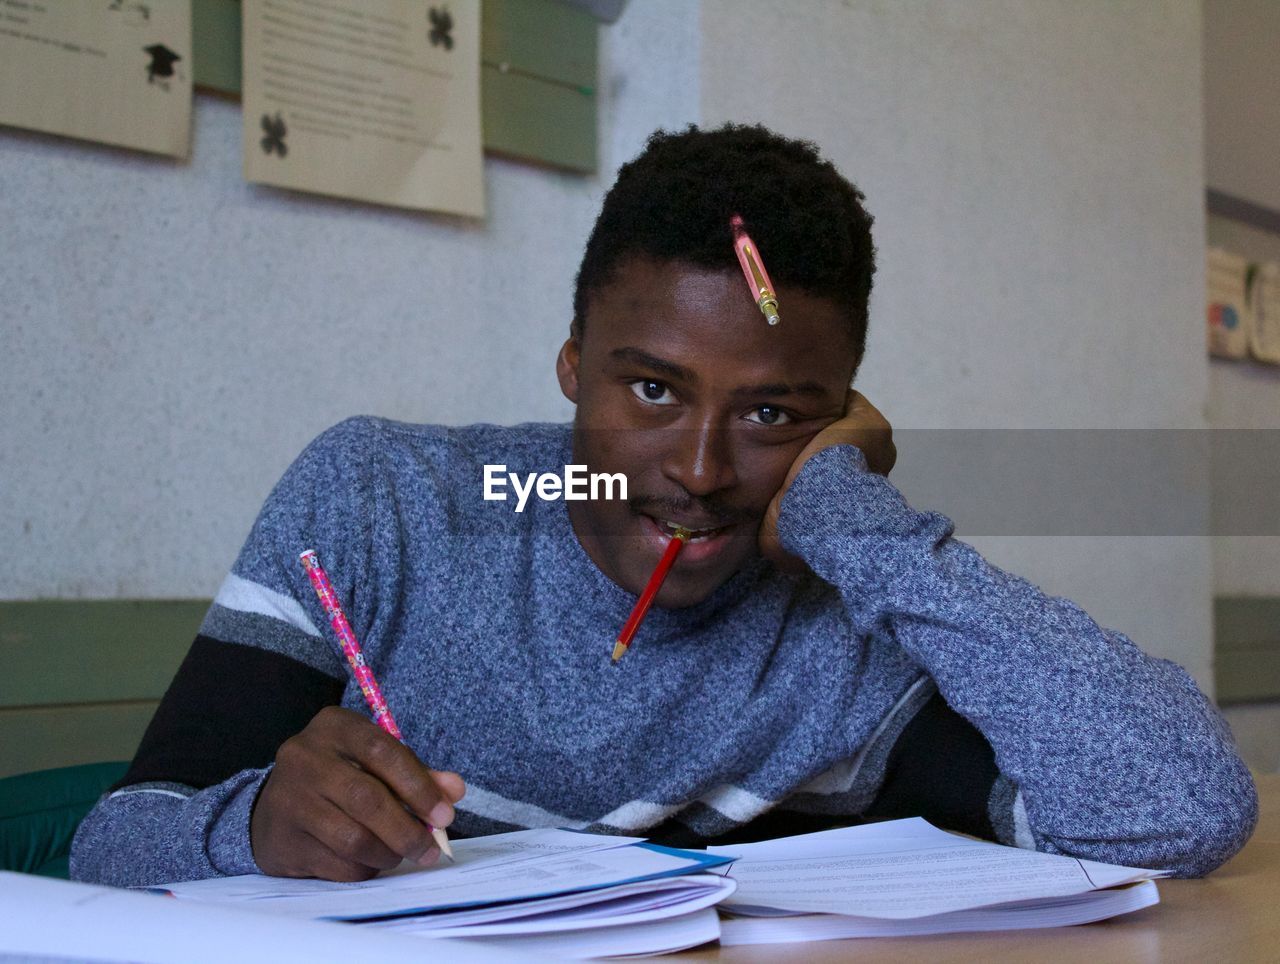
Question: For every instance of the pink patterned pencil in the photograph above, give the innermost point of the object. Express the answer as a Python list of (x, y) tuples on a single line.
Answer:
[(359, 668)]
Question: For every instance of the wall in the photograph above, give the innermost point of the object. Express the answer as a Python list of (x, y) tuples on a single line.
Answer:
[(1242, 99), (173, 336), (1035, 171)]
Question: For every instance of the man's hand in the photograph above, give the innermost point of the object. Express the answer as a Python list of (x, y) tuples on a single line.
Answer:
[(861, 425), (346, 800)]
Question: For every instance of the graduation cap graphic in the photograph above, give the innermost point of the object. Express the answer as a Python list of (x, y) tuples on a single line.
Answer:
[(162, 61)]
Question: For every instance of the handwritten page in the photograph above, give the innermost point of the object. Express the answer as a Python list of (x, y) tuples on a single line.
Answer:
[(377, 100), (115, 71)]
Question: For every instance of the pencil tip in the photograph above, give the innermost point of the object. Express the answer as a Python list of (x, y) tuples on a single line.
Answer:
[(618, 649), (442, 841)]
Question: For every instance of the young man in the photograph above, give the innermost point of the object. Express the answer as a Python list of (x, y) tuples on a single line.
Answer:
[(820, 652)]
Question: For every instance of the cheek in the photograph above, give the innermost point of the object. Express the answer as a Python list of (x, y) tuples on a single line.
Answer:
[(762, 470)]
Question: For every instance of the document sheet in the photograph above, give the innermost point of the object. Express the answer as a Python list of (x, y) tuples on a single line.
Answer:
[(516, 866), (377, 100), (115, 71), (56, 920), (903, 869)]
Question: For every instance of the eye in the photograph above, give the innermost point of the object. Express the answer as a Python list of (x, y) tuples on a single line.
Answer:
[(769, 415), (653, 392)]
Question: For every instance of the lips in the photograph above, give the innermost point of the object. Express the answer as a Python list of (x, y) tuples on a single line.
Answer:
[(706, 544)]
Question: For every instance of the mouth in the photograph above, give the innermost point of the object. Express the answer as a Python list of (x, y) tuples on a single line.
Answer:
[(705, 545), (695, 534)]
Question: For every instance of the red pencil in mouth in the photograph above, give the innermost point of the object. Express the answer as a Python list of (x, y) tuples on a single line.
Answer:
[(678, 539)]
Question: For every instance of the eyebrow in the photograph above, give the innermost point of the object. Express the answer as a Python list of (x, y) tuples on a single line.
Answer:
[(672, 370), (668, 368)]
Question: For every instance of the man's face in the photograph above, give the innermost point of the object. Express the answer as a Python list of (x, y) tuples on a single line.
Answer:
[(684, 387)]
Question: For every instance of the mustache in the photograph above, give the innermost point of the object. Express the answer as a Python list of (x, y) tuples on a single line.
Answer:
[(714, 510)]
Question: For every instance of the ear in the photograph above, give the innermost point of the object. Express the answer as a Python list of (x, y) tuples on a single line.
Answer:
[(567, 368)]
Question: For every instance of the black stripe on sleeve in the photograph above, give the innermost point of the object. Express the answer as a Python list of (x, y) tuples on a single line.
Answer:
[(228, 709), (941, 768)]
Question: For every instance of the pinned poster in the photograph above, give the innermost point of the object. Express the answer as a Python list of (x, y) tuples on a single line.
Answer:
[(1228, 307), (114, 71), (376, 100), (1264, 304)]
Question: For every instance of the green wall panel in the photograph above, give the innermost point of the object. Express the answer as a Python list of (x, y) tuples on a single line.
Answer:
[(215, 31), (93, 651), (1247, 648), (37, 739)]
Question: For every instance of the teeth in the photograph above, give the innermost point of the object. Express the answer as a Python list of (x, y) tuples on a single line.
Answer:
[(694, 534)]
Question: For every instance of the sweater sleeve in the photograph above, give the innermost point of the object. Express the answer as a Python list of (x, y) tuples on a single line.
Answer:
[(257, 673), (1116, 756)]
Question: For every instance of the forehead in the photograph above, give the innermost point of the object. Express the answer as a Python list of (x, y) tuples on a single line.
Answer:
[(703, 317)]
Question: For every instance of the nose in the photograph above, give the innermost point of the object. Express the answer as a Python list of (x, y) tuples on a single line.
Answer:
[(701, 458)]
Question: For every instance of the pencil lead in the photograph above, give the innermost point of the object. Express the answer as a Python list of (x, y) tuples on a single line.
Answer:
[(442, 841), (618, 649)]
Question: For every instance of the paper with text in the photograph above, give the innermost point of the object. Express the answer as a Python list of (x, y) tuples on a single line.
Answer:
[(903, 869), (505, 867), (115, 71), (377, 100)]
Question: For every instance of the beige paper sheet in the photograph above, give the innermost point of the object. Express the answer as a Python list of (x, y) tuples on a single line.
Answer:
[(377, 100), (115, 71)]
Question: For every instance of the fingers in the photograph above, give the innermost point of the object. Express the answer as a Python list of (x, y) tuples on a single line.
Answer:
[(346, 800), (320, 860), (450, 784), (352, 841), (376, 828), (394, 764)]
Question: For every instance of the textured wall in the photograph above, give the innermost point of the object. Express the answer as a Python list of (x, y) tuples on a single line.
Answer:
[(1036, 174), (1242, 98), (173, 336)]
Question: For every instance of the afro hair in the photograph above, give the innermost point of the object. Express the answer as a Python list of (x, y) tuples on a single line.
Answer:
[(675, 200)]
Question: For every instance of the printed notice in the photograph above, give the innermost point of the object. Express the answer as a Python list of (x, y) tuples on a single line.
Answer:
[(377, 100), (1264, 296), (115, 71)]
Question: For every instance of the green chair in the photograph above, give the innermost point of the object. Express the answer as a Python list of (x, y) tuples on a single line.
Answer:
[(40, 811)]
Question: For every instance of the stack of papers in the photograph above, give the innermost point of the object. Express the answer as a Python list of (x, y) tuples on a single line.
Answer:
[(554, 892), (564, 894), (907, 877)]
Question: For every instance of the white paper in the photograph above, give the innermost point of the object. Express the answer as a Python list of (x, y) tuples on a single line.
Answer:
[(1053, 912), (609, 907), (903, 869), (58, 919), (504, 867), (630, 940)]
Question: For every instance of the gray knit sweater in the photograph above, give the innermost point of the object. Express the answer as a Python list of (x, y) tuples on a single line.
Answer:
[(490, 632)]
